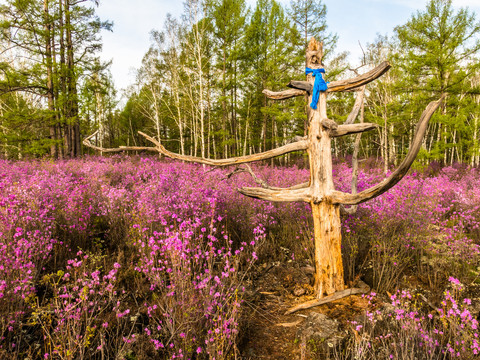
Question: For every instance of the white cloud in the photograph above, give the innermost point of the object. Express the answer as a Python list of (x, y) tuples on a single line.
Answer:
[(473, 4), (130, 39), (353, 20), (412, 4), (421, 4)]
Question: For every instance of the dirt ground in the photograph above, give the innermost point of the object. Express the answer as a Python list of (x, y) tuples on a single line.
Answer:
[(270, 334)]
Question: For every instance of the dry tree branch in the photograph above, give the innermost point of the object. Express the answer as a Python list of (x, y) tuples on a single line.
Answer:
[(300, 88), (363, 289), (338, 197), (356, 107), (296, 146), (261, 182), (348, 84), (352, 129), (278, 194), (87, 143), (282, 95)]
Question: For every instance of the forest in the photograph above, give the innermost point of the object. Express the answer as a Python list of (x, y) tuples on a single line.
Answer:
[(199, 88), (119, 240)]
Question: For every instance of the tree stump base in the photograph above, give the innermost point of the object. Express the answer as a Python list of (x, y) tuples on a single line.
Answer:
[(363, 289)]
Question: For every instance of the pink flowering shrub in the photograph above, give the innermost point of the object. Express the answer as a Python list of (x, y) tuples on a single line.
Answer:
[(431, 223), (70, 321), (410, 328), (130, 256)]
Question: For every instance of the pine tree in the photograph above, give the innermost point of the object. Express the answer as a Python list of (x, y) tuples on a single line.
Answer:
[(438, 54), (53, 44), (270, 41), (228, 21), (310, 18)]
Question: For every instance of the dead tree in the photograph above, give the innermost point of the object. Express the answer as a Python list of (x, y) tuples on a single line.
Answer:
[(319, 192)]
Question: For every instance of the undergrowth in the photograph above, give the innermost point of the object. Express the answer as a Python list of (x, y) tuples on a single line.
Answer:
[(137, 258)]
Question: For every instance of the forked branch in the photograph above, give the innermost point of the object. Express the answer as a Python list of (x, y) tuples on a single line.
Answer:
[(349, 84), (345, 85), (295, 146), (301, 88), (338, 197), (246, 168), (263, 183)]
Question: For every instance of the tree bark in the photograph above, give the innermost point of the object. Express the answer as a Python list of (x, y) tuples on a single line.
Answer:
[(326, 215), (328, 252), (73, 119), (50, 89)]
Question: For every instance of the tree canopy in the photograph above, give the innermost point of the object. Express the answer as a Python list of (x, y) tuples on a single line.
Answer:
[(199, 88)]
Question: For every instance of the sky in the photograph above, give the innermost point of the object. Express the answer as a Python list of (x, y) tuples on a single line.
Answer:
[(354, 21)]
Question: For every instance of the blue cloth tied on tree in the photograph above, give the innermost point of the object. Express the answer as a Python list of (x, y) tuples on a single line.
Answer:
[(319, 84)]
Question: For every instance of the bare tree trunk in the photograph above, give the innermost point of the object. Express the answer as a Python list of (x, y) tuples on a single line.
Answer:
[(199, 52), (50, 89), (328, 253), (326, 216), (58, 109), (445, 145), (392, 154), (264, 127), (453, 147), (71, 83), (65, 127), (476, 147), (180, 124), (385, 144), (247, 134), (156, 113)]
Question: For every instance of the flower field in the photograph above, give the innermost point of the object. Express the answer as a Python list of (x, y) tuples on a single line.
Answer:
[(141, 258)]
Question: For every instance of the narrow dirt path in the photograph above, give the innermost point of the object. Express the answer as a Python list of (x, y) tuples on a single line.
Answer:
[(271, 335)]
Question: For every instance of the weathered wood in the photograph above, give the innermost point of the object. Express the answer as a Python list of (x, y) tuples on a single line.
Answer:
[(290, 324), (294, 187), (356, 107), (336, 296), (352, 129), (296, 146), (326, 216), (345, 85), (263, 183), (328, 252), (282, 95), (87, 143), (329, 124), (349, 84), (278, 194), (339, 197), (314, 53), (300, 85)]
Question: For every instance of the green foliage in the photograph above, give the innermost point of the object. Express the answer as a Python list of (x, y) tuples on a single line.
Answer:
[(49, 56), (310, 18), (199, 89), (438, 55)]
